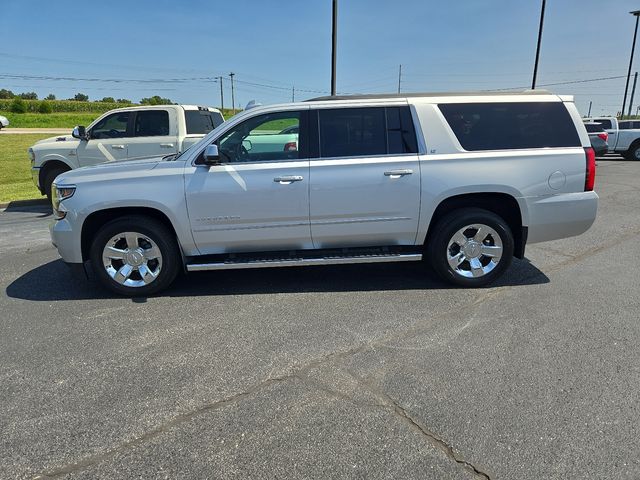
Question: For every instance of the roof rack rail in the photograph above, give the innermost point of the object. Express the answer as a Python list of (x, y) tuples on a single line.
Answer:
[(427, 94)]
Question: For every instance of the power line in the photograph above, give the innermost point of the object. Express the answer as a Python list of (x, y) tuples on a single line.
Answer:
[(561, 83)]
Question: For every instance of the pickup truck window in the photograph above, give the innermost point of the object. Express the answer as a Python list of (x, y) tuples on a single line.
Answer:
[(113, 126), (152, 123), (201, 121), (505, 126), (263, 138)]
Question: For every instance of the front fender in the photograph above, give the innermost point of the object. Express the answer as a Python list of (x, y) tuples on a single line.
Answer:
[(56, 157)]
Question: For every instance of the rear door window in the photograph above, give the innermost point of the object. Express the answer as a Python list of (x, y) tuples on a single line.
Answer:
[(401, 136), (151, 123), (367, 131), (201, 121), (506, 126)]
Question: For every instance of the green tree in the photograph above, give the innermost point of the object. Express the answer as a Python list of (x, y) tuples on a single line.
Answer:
[(108, 100), (29, 96), (45, 107), (81, 97), (6, 93), (18, 105), (156, 100), (51, 96), (123, 100)]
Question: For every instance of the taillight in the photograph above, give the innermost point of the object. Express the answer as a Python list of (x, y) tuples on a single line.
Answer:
[(290, 146), (590, 176), (604, 136)]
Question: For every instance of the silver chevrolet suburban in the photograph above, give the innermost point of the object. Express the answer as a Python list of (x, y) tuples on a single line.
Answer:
[(463, 181)]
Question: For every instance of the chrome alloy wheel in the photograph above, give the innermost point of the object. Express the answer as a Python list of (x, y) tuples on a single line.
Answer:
[(474, 250), (132, 259)]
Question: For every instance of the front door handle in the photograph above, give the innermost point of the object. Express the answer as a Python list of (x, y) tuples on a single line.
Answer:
[(117, 147), (166, 145), (288, 179), (398, 173)]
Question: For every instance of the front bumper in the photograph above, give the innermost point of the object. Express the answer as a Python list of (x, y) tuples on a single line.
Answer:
[(66, 240), (35, 176)]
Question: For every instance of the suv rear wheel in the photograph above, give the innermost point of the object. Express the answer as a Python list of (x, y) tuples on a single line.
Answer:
[(135, 256), (470, 247)]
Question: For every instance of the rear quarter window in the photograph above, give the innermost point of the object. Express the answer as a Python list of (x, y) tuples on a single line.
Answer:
[(506, 126)]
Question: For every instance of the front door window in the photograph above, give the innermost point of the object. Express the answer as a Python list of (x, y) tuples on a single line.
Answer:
[(269, 137)]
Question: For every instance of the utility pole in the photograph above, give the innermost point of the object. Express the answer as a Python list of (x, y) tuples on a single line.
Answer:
[(334, 42), (399, 78), (221, 94), (233, 98), (293, 93), (535, 67), (636, 14), (590, 103), (633, 91)]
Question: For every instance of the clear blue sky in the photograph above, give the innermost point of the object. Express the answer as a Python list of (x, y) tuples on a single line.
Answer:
[(442, 46)]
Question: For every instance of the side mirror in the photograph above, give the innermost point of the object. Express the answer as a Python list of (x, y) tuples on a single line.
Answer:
[(79, 132), (211, 155)]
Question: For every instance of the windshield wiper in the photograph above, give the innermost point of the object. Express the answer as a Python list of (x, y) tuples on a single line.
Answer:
[(171, 156)]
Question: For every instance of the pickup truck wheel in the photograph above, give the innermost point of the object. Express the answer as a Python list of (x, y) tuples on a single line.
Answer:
[(633, 153), (135, 256), (49, 178), (470, 247)]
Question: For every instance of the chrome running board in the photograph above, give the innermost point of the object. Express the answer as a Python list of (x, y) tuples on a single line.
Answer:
[(303, 262)]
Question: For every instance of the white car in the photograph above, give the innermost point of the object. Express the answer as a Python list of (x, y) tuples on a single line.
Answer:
[(4, 122), (464, 181)]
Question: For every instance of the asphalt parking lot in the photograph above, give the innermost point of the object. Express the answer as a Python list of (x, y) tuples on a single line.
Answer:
[(376, 371)]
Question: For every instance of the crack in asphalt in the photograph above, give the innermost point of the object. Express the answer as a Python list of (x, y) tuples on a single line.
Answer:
[(333, 356), (185, 417), (295, 373), (404, 415)]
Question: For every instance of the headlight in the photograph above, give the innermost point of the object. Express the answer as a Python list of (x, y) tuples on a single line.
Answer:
[(58, 194), (32, 156)]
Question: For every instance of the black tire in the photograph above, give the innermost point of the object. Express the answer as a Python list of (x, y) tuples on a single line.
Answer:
[(49, 177), (156, 232), (438, 249), (633, 153)]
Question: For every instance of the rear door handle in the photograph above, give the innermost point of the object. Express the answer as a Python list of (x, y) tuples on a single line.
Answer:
[(166, 145), (398, 173), (117, 147), (288, 179)]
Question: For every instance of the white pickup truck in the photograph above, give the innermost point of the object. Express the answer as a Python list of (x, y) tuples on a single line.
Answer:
[(625, 141), (122, 134)]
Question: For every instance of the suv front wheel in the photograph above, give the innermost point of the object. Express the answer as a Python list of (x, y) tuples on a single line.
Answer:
[(135, 256), (470, 247)]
